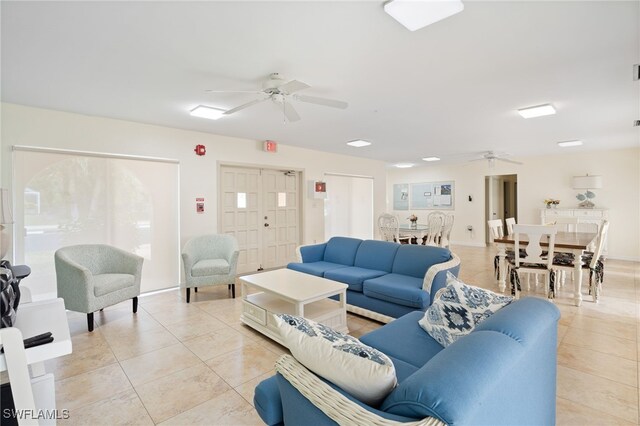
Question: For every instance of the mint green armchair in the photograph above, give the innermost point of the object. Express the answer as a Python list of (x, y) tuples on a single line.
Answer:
[(91, 277), (210, 260)]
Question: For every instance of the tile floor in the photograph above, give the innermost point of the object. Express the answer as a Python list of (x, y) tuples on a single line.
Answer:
[(174, 363)]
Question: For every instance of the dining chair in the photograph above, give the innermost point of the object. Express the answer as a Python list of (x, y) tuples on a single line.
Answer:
[(533, 259), (566, 224), (497, 231), (445, 238), (510, 221), (590, 260), (435, 220), (389, 228)]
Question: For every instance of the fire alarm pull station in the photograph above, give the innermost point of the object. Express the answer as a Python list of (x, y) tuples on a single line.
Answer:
[(199, 205)]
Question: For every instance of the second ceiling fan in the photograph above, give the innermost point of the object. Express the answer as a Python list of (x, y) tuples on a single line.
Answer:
[(280, 91)]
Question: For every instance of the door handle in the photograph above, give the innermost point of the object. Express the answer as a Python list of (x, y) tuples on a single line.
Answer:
[(266, 225)]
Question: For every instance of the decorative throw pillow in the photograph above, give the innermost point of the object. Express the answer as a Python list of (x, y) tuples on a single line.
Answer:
[(361, 370), (458, 308)]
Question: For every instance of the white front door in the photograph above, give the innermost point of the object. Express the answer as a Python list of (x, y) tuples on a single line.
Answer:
[(260, 207)]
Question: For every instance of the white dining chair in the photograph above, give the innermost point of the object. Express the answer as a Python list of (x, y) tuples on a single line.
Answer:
[(389, 228), (445, 238), (533, 259), (566, 223), (510, 221), (435, 220), (591, 261)]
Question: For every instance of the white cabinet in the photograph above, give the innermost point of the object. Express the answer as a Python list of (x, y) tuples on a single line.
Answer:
[(594, 216)]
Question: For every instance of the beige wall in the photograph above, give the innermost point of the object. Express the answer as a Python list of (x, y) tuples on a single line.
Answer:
[(198, 175), (540, 178)]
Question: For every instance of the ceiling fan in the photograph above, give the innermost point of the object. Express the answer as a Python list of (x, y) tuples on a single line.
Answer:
[(280, 91), (492, 156)]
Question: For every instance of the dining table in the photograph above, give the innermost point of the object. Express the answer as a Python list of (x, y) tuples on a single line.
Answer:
[(416, 231), (568, 242)]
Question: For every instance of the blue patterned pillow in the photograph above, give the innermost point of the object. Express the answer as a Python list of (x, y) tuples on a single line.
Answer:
[(458, 308), (361, 370)]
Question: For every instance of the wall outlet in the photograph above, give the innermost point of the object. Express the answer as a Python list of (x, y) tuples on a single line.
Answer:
[(469, 228)]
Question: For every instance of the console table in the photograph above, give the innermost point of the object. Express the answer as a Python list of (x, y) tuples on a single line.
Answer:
[(33, 319), (594, 216)]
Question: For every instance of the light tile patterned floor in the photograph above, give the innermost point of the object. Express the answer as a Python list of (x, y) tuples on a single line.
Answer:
[(174, 363)]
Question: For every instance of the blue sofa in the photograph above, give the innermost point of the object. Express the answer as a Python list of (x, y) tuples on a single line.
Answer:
[(502, 373), (386, 280)]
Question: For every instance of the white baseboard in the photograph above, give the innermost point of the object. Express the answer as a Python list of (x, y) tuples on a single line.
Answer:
[(626, 258)]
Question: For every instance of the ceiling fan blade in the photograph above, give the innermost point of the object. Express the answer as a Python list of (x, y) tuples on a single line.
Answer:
[(321, 101), (506, 160), (293, 86), (243, 106), (290, 112)]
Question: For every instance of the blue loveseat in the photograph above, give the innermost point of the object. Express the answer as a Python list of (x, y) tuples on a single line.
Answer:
[(386, 280), (502, 373)]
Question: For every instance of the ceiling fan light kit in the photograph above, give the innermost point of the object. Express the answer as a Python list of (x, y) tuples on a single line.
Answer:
[(416, 14), (207, 112), (537, 111)]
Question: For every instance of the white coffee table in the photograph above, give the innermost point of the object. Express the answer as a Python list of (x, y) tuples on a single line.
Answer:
[(291, 292)]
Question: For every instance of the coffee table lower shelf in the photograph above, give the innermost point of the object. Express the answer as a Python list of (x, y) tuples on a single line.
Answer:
[(258, 310)]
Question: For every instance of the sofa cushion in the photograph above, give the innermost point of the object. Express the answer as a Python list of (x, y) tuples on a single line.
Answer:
[(314, 268), (208, 267), (458, 308), (377, 255), (393, 338), (108, 283), (341, 250), (362, 371), (401, 289), (353, 276), (414, 260)]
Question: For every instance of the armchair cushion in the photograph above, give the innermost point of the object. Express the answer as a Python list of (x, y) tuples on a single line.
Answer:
[(108, 283), (205, 267)]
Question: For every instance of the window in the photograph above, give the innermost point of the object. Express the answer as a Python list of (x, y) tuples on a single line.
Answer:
[(65, 198)]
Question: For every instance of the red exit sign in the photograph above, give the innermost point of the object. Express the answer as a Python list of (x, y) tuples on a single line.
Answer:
[(270, 146)]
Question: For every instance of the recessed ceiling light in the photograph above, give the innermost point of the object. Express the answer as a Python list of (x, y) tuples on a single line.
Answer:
[(569, 143), (416, 14), (431, 159), (207, 112), (359, 143), (404, 165), (537, 111)]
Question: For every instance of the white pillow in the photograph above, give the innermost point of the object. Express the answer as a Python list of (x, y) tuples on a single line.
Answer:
[(362, 371), (458, 308)]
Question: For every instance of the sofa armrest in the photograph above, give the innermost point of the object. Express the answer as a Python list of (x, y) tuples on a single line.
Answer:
[(334, 404), (74, 282), (310, 253), (435, 278)]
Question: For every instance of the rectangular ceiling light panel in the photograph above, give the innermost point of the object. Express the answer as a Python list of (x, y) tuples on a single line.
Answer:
[(537, 111), (207, 112), (416, 14), (359, 143), (566, 144)]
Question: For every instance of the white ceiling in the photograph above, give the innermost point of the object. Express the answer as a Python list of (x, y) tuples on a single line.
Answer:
[(449, 90)]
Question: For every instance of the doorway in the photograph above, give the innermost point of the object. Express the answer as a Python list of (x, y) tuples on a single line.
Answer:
[(348, 209), (501, 199), (261, 208)]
